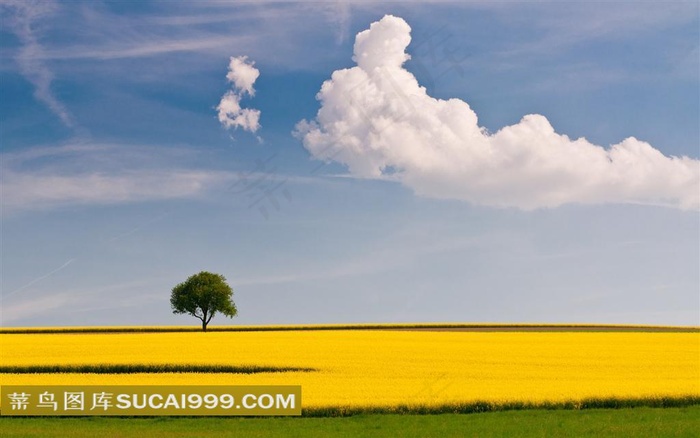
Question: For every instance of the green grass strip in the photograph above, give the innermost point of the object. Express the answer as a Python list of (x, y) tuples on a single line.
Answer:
[(593, 423), (147, 368)]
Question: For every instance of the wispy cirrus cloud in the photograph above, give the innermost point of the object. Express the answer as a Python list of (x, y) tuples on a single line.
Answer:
[(267, 31), (36, 306), (43, 191), (268, 28), (24, 19), (207, 29), (126, 50), (41, 300), (565, 25), (47, 178)]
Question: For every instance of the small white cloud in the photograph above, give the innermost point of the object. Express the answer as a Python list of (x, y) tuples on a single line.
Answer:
[(242, 76), (377, 120), (231, 115)]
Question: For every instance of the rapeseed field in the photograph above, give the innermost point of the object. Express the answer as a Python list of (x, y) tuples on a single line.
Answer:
[(379, 368)]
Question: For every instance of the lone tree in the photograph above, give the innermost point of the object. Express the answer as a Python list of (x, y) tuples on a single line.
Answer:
[(202, 295)]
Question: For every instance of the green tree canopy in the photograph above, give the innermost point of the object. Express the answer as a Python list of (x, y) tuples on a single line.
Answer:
[(202, 296)]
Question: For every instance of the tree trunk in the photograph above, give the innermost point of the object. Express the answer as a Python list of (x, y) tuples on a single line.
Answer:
[(204, 326)]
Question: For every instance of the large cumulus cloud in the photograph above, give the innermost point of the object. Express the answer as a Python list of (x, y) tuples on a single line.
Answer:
[(377, 120)]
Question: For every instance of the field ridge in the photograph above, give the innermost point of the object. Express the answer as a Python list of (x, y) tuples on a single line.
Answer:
[(383, 326), (478, 406), (131, 368)]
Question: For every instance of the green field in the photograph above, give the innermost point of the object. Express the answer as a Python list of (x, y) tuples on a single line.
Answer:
[(635, 422), (673, 416)]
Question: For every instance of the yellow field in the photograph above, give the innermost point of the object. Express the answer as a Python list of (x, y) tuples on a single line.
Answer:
[(387, 368)]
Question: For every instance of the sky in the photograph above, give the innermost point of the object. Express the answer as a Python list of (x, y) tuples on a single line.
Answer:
[(351, 162)]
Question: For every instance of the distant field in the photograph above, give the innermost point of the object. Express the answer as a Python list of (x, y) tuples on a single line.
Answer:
[(489, 327), (446, 368), (627, 423)]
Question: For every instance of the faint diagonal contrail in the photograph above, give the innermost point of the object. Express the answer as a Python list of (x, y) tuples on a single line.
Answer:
[(135, 229), (39, 278)]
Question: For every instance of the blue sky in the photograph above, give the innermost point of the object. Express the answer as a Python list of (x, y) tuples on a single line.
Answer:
[(118, 180)]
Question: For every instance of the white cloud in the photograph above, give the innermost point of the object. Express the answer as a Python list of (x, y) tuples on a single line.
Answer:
[(47, 178), (47, 300), (22, 21), (339, 14), (231, 115), (32, 307), (377, 120), (151, 48), (41, 191), (242, 76)]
